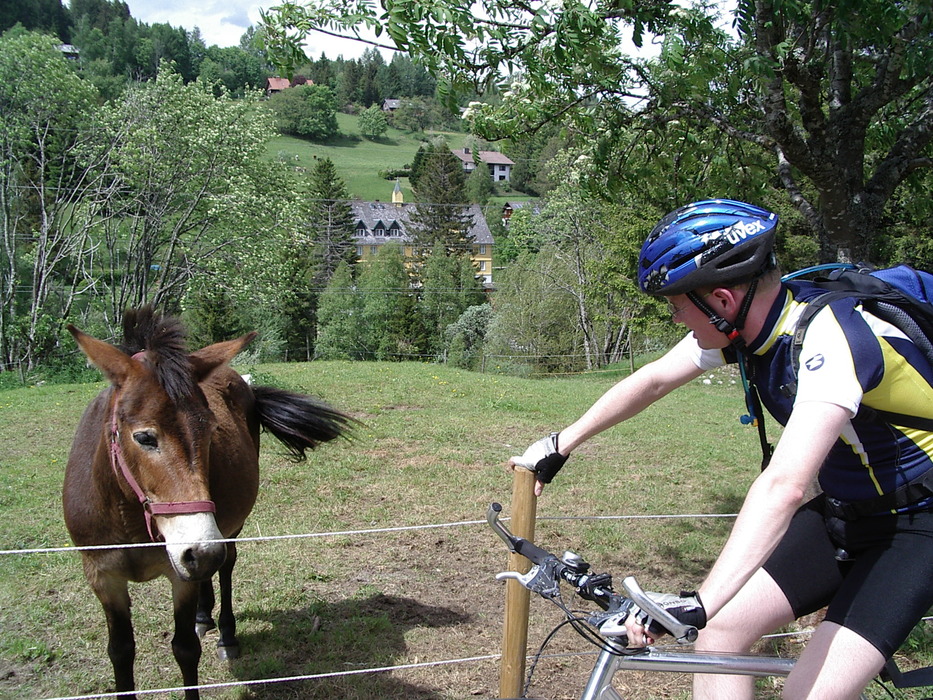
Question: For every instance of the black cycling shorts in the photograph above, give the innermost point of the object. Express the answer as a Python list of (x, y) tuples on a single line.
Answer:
[(880, 592)]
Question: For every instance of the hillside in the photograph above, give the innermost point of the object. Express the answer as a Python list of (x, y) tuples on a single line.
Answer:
[(359, 160)]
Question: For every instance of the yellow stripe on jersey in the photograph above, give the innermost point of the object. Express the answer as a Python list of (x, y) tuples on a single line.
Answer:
[(902, 389), (851, 438), (786, 323)]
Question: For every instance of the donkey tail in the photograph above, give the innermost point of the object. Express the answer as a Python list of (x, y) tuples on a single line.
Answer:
[(299, 421)]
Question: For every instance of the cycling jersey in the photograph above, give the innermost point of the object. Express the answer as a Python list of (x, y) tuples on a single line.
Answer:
[(849, 358)]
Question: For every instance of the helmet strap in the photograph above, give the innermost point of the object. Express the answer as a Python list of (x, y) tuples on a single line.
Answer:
[(732, 330)]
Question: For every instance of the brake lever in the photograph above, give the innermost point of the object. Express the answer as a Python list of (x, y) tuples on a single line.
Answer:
[(542, 578), (684, 634), (611, 623)]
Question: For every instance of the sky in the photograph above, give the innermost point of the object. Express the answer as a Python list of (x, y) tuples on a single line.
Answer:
[(223, 22)]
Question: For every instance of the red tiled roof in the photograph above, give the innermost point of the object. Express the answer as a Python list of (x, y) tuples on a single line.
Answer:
[(277, 83)]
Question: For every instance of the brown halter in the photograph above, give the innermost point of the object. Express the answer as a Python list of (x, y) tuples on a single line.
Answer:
[(149, 508)]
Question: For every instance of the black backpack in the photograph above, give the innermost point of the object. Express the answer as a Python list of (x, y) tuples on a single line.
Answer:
[(901, 296)]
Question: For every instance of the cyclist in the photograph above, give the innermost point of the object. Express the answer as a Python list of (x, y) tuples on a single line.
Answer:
[(871, 564)]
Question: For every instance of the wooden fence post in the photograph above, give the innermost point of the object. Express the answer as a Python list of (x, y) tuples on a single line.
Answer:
[(515, 630)]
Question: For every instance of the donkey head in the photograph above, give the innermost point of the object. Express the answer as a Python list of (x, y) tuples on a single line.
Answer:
[(159, 428)]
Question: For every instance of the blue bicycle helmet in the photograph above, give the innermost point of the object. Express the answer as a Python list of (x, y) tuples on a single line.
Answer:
[(714, 242)]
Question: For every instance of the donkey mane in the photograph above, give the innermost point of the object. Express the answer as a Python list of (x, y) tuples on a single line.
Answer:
[(164, 340)]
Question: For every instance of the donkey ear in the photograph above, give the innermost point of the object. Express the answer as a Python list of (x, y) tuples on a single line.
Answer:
[(113, 362), (207, 359)]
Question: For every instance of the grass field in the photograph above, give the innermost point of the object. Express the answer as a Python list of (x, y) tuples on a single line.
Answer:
[(430, 450), (359, 160)]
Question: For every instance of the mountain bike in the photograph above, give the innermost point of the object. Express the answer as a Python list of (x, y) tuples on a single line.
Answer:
[(605, 628)]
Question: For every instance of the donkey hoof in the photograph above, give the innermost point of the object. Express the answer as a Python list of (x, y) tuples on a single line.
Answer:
[(228, 652), (203, 628)]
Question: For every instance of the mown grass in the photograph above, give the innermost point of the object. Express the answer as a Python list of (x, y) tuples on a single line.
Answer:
[(359, 160), (430, 449)]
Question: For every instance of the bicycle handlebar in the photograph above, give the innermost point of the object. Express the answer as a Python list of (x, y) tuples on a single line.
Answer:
[(545, 576)]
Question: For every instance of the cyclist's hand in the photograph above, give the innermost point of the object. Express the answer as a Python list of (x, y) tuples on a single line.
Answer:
[(543, 459), (686, 607)]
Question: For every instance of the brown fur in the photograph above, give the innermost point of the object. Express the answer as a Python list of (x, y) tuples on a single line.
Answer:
[(206, 421)]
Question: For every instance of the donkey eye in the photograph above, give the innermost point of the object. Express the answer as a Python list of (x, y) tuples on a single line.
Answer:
[(146, 439)]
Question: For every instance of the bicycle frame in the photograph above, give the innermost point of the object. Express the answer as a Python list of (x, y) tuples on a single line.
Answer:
[(599, 686), (615, 657)]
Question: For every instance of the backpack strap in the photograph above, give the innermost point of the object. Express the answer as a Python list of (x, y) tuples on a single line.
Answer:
[(887, 312), (756, 415), (920, 487)]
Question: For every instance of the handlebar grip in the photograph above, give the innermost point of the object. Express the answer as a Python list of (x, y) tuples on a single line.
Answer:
[(520, 545), (531, 551)]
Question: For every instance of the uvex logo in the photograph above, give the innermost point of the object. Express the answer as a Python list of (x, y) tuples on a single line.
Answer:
[(739, 231)]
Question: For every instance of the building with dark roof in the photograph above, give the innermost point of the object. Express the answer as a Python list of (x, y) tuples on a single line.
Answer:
[(499, 164), (379, 223)]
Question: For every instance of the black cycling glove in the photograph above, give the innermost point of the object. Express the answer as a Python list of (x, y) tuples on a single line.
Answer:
[(542, 458), (687, 607)]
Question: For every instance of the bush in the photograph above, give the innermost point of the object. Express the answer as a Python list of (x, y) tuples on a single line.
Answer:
[(306, 110), (394, 173)]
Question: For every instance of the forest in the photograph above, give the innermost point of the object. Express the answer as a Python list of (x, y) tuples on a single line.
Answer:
[(138, 173)]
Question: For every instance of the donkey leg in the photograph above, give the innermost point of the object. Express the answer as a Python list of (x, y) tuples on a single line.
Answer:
[(114, 597), (204, 622), (228, 647), (186, 646)]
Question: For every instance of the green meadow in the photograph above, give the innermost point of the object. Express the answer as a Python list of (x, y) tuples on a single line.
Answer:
[(390, 562), (359, 160)]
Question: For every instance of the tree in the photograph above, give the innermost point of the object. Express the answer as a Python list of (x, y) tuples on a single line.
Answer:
[(575, 234), (519, 236), (478, 186), (582, 251), (191, 185), (212, 314), (373, 122), (371, 63), (440, 296), (466, 335), (839, 96), (324, 243), (387, 306), (339, 319), (412, 115), (533, 321), (306, 110), (331, 223), (233, 69), (53, 180), (38, 15), (441, 214)]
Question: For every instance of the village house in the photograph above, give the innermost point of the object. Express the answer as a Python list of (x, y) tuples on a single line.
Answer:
[(274, 85), (379, 223), (500, 165)]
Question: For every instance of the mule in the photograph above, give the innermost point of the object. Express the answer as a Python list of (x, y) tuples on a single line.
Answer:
[(169, 452)]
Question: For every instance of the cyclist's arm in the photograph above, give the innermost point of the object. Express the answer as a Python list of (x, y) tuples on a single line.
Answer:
[(773, 498), (633, 394)]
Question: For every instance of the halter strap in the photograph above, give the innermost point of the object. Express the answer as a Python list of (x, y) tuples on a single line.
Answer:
[(119, 466)]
